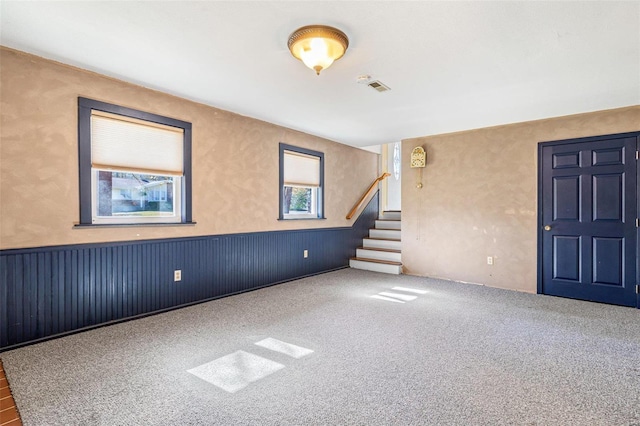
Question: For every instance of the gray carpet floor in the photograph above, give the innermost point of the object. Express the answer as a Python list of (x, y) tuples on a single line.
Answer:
[(456, 354)]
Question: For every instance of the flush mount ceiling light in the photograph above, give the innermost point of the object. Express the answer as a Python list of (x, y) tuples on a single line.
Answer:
[(318, 46)]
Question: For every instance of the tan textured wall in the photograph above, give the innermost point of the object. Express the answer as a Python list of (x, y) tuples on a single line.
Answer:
[(480, 198), (235, 160)]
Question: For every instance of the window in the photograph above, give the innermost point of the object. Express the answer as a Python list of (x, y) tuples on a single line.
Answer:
[(396, 160), (301, 183), (135, 167)]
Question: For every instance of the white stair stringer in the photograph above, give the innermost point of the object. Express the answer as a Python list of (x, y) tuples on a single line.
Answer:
[(381, 252)]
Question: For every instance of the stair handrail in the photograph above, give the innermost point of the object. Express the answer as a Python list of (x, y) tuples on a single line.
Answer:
[(366, 194)]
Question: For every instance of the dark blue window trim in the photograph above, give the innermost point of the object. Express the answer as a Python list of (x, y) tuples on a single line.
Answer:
[(285, 147), (84, 153)]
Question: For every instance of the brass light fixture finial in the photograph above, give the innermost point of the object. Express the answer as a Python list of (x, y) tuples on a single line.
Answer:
[(318, 46)]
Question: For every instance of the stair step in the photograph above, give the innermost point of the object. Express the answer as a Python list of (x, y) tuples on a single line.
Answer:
[(386, 262), (374, 265), (383, 243), (379, 254), (388, 224), (391, 214), (381, 249), (385, 233)]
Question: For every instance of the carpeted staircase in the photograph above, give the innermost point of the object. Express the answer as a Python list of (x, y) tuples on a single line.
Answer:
[(381, 252)]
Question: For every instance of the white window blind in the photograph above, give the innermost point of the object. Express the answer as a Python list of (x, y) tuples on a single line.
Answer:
[(301, 169), (121, 143)]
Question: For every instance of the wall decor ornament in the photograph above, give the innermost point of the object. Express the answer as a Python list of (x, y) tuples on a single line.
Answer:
[(419, 161)]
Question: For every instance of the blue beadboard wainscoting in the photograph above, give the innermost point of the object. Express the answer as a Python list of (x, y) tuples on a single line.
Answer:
[(50, 291)]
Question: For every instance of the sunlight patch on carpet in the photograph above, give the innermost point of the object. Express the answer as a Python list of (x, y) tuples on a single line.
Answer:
[(235, 371), (388, 299), (409, 290), (403, 297), (284, 347)]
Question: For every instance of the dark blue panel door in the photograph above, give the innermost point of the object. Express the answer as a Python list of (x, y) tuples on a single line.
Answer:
[(588, 234)]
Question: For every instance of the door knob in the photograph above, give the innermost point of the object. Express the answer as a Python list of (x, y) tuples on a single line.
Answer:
[(547, 227)]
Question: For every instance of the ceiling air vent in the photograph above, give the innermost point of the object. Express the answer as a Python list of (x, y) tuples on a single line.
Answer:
[(378, 86)]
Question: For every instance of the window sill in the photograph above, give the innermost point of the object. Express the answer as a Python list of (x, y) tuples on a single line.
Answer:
[(130, 225)]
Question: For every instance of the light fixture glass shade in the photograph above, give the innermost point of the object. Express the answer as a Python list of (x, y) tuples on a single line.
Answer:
[(318, 46)]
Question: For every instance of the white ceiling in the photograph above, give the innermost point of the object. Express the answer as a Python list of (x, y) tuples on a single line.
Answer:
[(451, 65)]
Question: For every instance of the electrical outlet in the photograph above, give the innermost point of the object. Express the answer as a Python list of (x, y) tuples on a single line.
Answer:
[(305, 254), (177, 275), (489, 260)]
